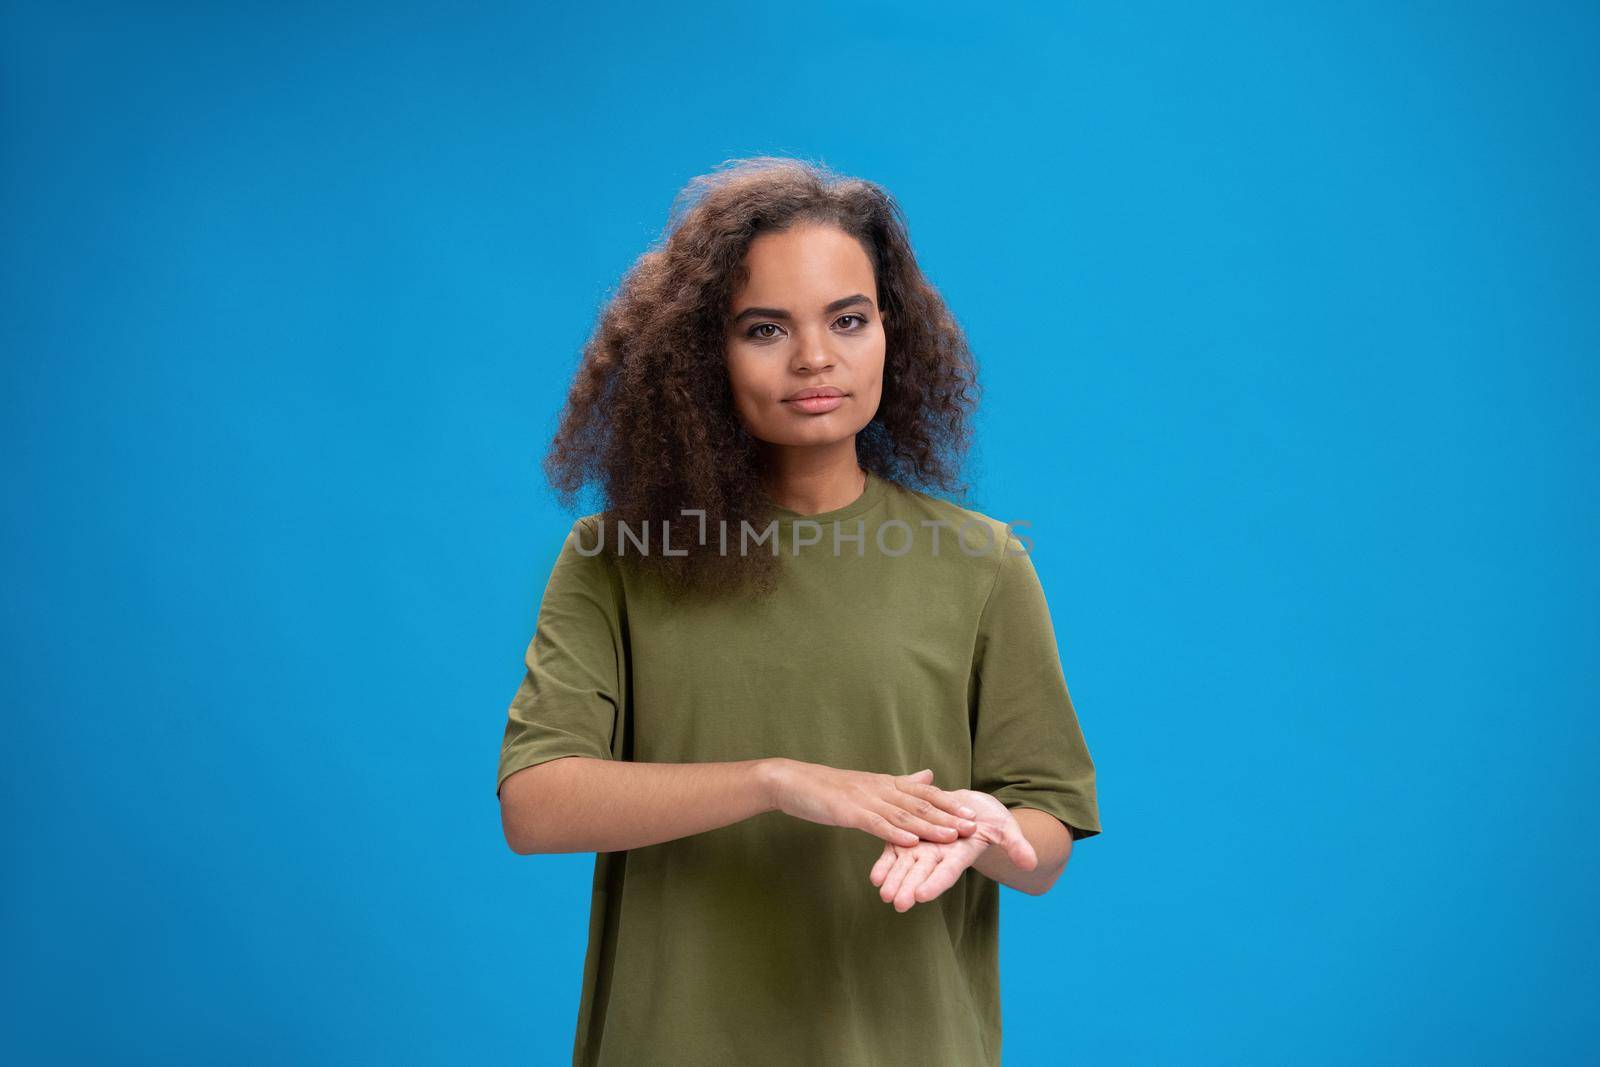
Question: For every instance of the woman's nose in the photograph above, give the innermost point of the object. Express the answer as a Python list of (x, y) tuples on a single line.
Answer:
[(813, 354)]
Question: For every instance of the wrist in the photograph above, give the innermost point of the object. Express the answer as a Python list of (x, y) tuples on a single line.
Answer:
[(768, 775)]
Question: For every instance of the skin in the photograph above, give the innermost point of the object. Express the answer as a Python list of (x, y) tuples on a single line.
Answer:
[(587, 804), (807, 315)]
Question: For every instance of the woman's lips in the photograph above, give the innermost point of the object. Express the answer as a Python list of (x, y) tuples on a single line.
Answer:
[(816, 405)]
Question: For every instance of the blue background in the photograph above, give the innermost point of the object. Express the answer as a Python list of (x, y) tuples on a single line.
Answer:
[(1286, 321)]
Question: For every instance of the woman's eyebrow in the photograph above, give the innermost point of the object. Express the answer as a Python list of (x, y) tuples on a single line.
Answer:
[(778, 313)]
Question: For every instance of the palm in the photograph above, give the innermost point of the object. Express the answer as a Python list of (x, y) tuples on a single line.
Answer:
[(915, 874)]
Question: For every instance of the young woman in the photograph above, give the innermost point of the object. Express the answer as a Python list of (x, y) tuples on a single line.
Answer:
[(808, 715)]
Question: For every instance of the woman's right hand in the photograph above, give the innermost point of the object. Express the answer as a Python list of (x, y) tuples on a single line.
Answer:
[(901, 809)]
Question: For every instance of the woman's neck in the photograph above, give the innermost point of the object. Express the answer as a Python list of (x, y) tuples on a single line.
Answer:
[(811, 483)]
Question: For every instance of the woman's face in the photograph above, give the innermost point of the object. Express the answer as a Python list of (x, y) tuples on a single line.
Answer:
[(806, 319)]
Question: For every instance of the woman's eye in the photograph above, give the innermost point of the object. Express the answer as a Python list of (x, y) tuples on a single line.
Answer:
[(754, 331)]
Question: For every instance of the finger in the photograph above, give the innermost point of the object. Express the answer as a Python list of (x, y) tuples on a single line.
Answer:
[(940, 878), (881, 868), (907, 820), (923, 819), (906, 895), (942, 799), (878, 824), (1019, 848), (922, 777), (897, 873)]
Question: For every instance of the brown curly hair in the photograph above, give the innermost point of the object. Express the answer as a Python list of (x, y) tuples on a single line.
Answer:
[(650, 414)]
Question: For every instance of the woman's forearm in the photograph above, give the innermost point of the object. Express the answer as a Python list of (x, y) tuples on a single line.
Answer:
[(585, 804)]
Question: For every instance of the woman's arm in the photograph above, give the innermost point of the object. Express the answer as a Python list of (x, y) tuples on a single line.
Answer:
[(587, 804), (584, 804)]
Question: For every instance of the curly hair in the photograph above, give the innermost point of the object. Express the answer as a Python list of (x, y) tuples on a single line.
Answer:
[(650, 415)]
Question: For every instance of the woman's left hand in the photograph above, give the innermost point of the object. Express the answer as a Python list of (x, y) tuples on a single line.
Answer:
[(916, 874)]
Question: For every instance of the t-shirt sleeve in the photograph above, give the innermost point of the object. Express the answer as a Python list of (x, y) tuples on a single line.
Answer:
[(569, 701), (1027, 749)]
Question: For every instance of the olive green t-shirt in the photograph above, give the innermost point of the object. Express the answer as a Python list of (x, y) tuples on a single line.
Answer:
[(925, 641)]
